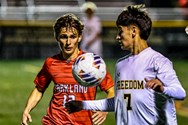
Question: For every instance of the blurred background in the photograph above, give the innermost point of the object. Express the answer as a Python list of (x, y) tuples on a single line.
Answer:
[(26, 26), (26, 39)]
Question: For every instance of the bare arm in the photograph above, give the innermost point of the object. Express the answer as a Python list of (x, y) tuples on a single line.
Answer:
[(33, 100)]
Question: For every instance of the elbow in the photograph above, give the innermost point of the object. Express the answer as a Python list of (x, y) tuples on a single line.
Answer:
[(182, 96)]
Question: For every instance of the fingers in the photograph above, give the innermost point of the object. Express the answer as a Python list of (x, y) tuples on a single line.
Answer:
[(99, 117), (24, 123), (69, 109), (154, 84), (29, 118), (73, 106), (149, 83), (25, 118), (67, 106), (146, 79)]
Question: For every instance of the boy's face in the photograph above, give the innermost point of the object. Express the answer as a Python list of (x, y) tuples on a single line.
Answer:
[(68, 40), (124, 37)]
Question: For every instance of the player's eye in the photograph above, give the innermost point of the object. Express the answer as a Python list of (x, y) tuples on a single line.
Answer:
[(73, 36), (63, 37)]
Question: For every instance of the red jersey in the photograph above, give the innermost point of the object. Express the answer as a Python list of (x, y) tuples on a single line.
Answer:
[(59, 71)]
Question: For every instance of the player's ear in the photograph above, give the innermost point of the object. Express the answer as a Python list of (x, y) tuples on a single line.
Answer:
[(133, 31)]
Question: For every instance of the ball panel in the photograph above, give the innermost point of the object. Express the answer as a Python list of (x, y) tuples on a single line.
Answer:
[(89, 69)]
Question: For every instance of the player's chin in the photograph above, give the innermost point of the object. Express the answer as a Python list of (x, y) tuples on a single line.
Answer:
[(68, 50)]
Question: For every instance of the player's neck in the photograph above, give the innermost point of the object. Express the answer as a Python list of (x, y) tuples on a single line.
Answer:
[(71, 56), (139, 47)]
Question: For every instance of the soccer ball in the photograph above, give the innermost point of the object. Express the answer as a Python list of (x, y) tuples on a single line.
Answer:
[(89, 69)]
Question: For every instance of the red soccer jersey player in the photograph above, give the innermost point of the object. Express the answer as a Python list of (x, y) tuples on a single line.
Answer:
[(59, 71), (58, 68)]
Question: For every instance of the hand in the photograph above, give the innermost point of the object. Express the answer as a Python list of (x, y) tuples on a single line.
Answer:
[(73, 106), (99, 117), (25, 118), (154, 84)]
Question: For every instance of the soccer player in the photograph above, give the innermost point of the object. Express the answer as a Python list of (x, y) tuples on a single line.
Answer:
[(58, 68), (146, 84), (91, 41)]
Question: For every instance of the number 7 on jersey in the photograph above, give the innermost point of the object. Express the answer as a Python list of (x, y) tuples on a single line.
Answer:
[(128, 99)]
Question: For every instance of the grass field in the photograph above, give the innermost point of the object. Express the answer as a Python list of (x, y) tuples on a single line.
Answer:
[(16, 79)]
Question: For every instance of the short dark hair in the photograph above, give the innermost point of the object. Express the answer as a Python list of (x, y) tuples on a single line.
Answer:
[(68, 20), (136, 14)]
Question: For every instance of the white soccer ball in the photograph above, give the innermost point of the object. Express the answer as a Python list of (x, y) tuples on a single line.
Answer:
[(89, 70)]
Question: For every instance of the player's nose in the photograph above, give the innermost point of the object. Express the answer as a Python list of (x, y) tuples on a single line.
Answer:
[(118, 37)]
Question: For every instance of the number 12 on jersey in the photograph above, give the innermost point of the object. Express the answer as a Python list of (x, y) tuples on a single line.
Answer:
[(68, 98)]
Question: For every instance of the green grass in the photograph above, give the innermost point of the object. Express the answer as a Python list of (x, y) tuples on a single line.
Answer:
[(16, 79)]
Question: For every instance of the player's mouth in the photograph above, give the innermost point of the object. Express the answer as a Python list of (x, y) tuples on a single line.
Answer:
[(68, 48)]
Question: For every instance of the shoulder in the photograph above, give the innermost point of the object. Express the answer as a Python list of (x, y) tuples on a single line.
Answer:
[(120, 60), (158, 59), (156, 56), (48, 62)]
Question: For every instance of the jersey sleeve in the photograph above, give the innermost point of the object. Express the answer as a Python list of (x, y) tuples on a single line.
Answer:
[(172, 85), (43, 78), (99, 105), (107, 83)]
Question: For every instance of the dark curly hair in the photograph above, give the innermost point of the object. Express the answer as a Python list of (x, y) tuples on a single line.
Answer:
[(137, 15), (68, 20)]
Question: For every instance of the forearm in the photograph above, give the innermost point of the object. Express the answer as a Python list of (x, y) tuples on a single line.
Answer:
[(167, 75), (176, 91), (33, 100), (99, 105), (172, 87)]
